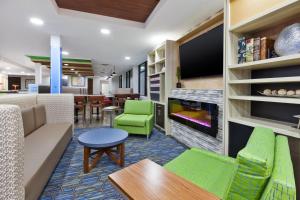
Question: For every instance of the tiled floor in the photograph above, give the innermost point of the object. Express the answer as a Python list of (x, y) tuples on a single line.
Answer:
[(69, 182)]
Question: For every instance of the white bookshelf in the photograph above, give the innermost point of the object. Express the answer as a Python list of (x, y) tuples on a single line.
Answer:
[(283, 61), (238, 77), (162, 63), (266, 80)]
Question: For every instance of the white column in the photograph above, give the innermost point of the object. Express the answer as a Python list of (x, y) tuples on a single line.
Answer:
[(38, 73)]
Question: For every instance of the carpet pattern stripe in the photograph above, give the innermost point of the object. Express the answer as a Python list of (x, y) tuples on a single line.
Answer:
[(69, 182)]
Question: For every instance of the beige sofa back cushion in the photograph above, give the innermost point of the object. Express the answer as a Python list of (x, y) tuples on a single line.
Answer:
[(39, 115), (28, 121)]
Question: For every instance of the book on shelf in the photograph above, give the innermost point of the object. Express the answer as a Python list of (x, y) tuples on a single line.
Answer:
[(267, 48), (256, 49), (249, 49), (241, 50)]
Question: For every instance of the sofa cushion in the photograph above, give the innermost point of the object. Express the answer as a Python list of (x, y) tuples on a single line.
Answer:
[(138, 107), (28, 121), (43, 149), (39, 115), (132, 120), (282, 182), (255, 165), (208, 170)]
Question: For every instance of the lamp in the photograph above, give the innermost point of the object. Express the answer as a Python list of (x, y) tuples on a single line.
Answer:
[(114, 72)]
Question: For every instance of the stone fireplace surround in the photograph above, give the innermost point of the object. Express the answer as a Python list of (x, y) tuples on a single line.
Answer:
[(192, 137)]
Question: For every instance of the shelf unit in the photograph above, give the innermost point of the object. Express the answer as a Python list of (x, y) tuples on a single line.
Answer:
[(162, 62), (238, 81)]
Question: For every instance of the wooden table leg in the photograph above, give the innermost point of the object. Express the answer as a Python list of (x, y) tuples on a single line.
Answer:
[(86, 155), (121, 152)]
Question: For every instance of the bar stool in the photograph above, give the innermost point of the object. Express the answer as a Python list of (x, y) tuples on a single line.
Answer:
[(95, 102), (79, 105)]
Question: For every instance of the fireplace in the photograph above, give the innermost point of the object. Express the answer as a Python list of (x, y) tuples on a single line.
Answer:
[(198, 115)]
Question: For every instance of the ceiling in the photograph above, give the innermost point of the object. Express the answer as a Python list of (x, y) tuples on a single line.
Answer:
[(81, 36), (71, 66), (136, 10)]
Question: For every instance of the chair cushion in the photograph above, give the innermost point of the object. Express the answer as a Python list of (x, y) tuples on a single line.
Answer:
[(28, 121), (255, 165), (137, 107), (132, 120), (39, 115), (208, 170), (43, 149), (282, 182)]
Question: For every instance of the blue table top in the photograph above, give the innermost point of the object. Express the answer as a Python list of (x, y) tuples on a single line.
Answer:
[(102, 137)]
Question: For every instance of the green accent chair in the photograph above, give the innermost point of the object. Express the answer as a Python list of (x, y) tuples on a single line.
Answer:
[(137, 117), (262, 170)]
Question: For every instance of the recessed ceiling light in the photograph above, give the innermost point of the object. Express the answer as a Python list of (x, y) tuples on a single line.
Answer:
[(36, 21), (65, 53), (105, 31), (127, 58), (22, 72), (72, 69), (66, 64)]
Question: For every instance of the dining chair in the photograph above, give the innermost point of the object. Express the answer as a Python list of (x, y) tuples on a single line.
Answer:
[(95, 102)]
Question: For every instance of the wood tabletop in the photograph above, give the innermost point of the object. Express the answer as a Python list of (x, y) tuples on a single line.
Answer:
[(148, 180)]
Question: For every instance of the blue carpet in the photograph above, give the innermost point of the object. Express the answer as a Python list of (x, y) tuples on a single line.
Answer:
[(69, 182)]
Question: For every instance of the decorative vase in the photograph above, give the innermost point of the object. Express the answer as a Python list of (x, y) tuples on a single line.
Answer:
[(178, 85), (288, 41)]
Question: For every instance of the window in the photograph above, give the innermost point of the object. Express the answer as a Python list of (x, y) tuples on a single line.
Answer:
[(120, 81), (143, 79), (128, 78)]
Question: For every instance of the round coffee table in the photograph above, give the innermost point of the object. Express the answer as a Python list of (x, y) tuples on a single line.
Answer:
[(103, 140)]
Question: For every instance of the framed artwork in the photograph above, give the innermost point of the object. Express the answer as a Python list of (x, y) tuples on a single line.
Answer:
[(78, 81), (28, 81)]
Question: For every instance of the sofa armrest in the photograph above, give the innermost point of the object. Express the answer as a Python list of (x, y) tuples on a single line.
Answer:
[(11, 153), (59, 107), (150, 123), (215, 155), (116, 120)]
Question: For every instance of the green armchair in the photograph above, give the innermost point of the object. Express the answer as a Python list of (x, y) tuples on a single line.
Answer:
[(137, 117), (262, 170)]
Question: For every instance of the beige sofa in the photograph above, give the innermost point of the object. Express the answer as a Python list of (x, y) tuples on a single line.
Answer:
[(48, 128)]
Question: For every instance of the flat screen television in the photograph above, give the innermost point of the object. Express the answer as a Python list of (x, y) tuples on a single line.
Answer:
[(203, 55)]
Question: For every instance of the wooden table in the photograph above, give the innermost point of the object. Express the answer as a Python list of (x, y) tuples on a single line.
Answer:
[(148, 180)]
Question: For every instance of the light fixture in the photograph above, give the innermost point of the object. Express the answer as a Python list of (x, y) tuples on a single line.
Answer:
[(66, 64), (36, 21), (65, 53), (72, 69), (127, 58), (22, 72), (114, 72), (105, 31)]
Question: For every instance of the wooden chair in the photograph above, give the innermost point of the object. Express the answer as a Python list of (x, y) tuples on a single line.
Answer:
[(95, 102), (79, 105)]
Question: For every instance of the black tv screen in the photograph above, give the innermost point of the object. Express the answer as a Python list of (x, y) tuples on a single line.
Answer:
[(203, 55)]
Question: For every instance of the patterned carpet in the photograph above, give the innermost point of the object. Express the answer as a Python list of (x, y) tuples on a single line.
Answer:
[(69, 182)]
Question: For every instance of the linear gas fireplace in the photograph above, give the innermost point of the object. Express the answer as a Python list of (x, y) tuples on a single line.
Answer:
[(198, 115)]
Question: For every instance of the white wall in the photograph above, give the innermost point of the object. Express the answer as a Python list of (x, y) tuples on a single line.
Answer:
[(3, 82), (97, 89), (135, 79)]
